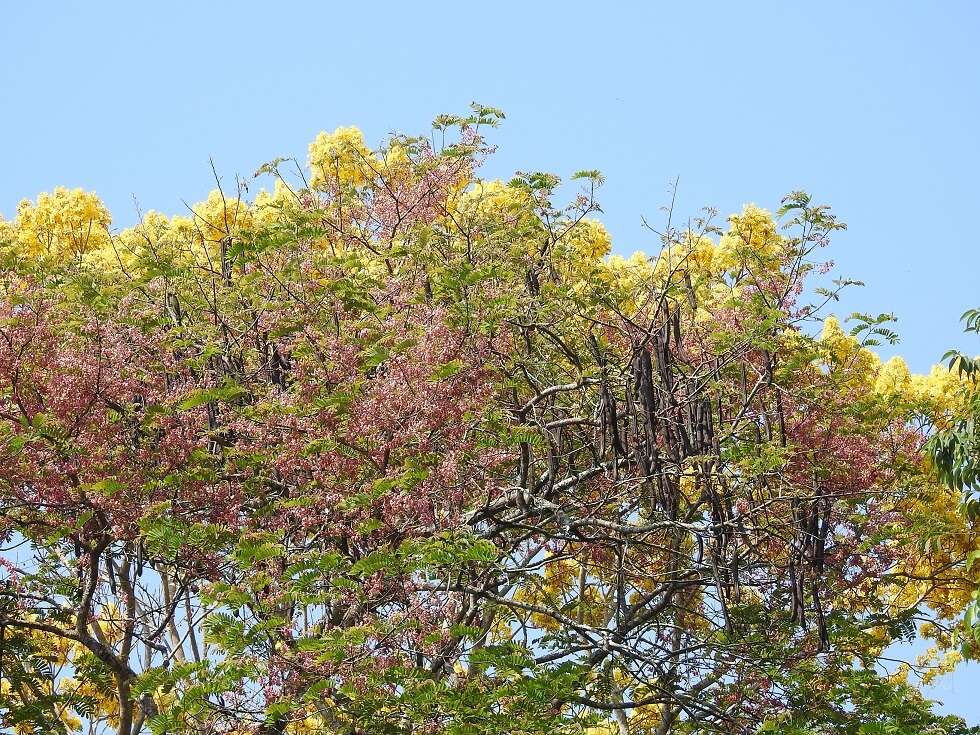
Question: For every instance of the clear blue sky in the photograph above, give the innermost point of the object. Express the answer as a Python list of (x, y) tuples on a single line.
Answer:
[(873, 107)]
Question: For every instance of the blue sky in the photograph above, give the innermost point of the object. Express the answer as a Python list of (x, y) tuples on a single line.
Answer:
[(872, 107)]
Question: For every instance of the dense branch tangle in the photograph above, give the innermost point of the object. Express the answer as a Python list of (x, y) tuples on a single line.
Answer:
[(395, 449), (650, 537)]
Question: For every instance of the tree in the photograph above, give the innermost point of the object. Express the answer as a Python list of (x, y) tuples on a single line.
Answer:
[(395, 449), (955, 449)]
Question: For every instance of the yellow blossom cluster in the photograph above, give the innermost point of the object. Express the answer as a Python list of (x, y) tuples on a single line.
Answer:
[(8, 233), (341, 156), (751, 240), (587, 241), (710, 273), (73, 225), (631, 272), (935, 511), (270, 208), (220, 217), (852, 363), (938, 663), (939, 393), (63, 224), (560, 582), (578, 254), (894, 378), (489, 207)]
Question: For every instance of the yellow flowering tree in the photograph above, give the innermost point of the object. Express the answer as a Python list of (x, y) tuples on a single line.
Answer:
[(391, 448), (64, 224)]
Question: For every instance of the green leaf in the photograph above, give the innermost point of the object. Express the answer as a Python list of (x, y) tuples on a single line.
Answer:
[(448, 370)]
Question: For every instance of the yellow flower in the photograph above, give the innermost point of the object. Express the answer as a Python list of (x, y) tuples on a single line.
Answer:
[(637, 269), (496, 203), (63, 224), (688, 485), (846, 353), (894, 378), (270, 208), (938, 664), (833, 337), (8, 233), (396, 165), (221, 216), (589, 240), (941, 394), (751, 240), (341, 156), (694, 254), (579, 253)]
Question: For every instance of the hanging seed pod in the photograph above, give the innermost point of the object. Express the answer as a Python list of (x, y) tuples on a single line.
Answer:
[(610, 419), (140, 551), (110, 573)]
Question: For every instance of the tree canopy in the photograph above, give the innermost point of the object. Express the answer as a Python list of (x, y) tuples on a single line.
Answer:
[(391, 448)]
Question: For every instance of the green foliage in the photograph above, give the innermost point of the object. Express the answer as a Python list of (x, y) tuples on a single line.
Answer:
[(392, 449)]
